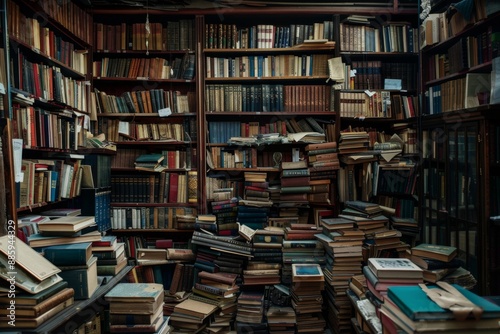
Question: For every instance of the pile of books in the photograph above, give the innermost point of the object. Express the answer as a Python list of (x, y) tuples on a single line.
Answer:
[(250, 312), (353, 142), (308, 282), (381, 273), (436, 261), (137, 307), (226, 211), (40, 293), (295, 181), (253, 210), (78, 267), (151, 162), (323, 162), (110, 254), (191, 314)]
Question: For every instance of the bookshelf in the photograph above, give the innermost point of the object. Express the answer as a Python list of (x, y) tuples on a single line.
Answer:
[(263, 84), (145, 91), (458, 126), (46, 99), (378, 99)]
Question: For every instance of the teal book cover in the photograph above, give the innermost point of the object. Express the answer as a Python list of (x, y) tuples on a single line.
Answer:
[(69, 255), (135, 292), (413, 301)]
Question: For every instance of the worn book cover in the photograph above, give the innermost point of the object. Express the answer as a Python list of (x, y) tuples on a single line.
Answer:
[(68, 223), (67, 255), (437, 252), (394, 267)]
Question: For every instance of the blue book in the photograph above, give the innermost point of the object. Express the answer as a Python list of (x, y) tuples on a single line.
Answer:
[(415, 303), (67, 255)]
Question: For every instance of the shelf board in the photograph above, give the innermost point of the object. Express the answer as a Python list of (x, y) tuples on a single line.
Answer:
[(142, 79), (256, 169), (295, 49), (155, 142), (141, 52), (152, 205), (283, 78), (133, 170), (137, 115), (270, 113)]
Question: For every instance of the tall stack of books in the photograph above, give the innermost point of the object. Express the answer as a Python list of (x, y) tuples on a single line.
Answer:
[(308, 282), (381, 273), (254, 209), (136, 307), (300, 246), (40, 293), (281, 319), (191, 315), (323, 163), (250, 313), (265, 265), (226, 212), (343, 247), (436, 261), (295, 182), (206, 222), (221, 288)]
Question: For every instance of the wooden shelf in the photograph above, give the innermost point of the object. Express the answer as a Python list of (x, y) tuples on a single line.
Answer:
[(152, 230)]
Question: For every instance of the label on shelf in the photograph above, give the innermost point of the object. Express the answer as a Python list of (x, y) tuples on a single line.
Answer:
[(164, 112)]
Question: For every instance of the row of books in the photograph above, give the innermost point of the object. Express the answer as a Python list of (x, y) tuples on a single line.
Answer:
[(148, 217), (165, 187), (48, 181), (470, 91), (122, 131), (173, 159), (392, 37), (144, 101), (49, 83), (229, 36), (267, 98), (40, 128), (45, 40), (314, 65), (60, 13), (148, 68), (171, 35)]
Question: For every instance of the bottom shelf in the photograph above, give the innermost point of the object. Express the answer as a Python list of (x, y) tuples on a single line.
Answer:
[(72, 317)]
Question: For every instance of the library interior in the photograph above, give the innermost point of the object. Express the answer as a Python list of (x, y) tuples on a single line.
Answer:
[(250, 166)]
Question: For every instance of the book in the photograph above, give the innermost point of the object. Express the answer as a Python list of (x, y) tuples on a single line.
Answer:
[(30, 261), (415, 304), (62, 212), (82, 280), (39, 240), (195, 308), (26, 299), (394, 267), (66, 224), (66, 255), (135, 298), (302, 272), (37, 310), (436, 252)]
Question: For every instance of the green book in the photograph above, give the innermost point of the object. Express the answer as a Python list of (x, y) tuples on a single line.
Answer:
[(67, 255), (26, 299)]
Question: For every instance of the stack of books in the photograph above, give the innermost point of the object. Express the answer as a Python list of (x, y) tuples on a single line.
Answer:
[(223, 289), (191, 315), (295, 181), (381, 273), (437, 261), (353, 142), (110, 254), (40, 293), (65, 230), (267, 255), (226, 212), (281, 319), (308, 282), (386, 243), (206, 222), (78, 267), (136, 307), (223, 244), (253, 210), (343, 247), (410, 309), (323, 163), (301, 251), (151, 162), (250, 312)]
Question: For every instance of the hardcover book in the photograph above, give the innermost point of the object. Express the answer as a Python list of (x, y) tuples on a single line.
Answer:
[(67, 255), (394, 267), (66, 224), (83, 280), (302, 272), (436, 252)]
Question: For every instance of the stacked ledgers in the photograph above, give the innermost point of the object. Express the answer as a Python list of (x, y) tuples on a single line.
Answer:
[(192, 314), (39, 293), (436, 261), (308, 282), (265, 266), (137, 307), (343, 245), (323, 163), (253, 210), (250, 313), (110, 254)]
